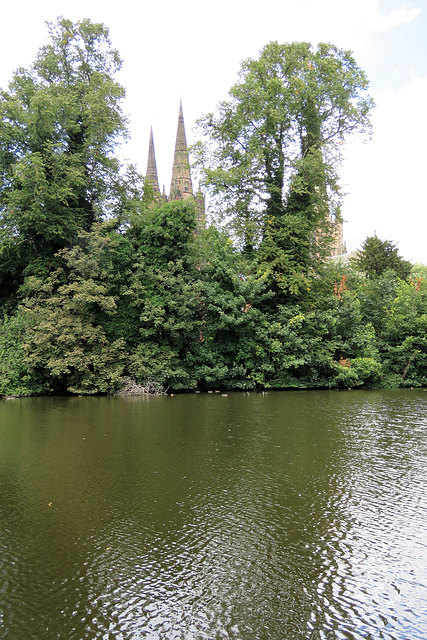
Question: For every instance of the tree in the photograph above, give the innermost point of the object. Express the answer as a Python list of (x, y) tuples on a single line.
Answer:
[(271, 153), (378, 256), (233, 351), (15, 379), (61, 121), (65, 345), (163, 292), (405, 332)]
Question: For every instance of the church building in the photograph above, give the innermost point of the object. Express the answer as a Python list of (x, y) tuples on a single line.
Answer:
[(181, 183), (182, 187)]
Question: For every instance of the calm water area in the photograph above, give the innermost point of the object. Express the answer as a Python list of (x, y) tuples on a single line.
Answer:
[(285, 516)]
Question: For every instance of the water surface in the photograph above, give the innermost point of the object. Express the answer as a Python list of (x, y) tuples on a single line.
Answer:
[(289, 515)]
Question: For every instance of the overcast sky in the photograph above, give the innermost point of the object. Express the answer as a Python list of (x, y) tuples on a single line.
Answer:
[(190, 50)]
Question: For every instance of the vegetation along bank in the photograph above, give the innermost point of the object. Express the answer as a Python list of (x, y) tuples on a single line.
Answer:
[(106, 283)]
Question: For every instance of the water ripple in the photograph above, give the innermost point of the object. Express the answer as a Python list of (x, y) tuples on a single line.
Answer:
[(289, 516)]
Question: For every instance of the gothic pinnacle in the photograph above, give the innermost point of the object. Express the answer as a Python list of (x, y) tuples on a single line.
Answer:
[(151, 164)]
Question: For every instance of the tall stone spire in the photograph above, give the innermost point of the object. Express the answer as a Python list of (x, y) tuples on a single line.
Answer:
[(181, 185), (151, 164)]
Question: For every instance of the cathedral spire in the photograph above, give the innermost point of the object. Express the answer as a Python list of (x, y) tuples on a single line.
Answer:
[(151, 164), (181, 185)]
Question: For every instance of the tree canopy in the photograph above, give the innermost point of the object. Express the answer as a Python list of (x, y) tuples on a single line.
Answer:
[(60, 123), (105, 284), (273, 148), (377, 256)]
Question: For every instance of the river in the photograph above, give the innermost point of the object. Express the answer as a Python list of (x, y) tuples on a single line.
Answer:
[(297, 515)]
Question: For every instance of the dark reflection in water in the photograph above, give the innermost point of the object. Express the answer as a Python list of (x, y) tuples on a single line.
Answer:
[(293, 515)]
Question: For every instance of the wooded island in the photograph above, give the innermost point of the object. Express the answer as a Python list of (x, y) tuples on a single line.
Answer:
[(106, 285)]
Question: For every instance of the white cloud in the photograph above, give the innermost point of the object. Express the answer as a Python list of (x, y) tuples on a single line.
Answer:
[(396, 18)]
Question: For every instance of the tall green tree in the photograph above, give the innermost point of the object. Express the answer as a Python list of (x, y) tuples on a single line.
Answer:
[(164, 295), (272, 151), (60, 123), (378, 256)]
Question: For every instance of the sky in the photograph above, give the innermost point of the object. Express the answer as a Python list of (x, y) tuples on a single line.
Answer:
[(190, 50)]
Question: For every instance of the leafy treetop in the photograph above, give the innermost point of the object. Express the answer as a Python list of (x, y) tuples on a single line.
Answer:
[(282, 127), (60, 123), (378, 256)]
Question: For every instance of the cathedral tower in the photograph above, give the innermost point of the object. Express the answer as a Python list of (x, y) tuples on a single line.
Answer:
[(181, 183)]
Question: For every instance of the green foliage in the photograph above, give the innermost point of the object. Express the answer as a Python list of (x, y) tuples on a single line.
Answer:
[(164, 294), (63, 345), (378, 256), (405, 334), (15, 379), (278, 136), (351, 338), (142, 297), (230, 353), (163, 232), (66, 348), (167, 301), (300, 355), (60, 123), (376, 296)]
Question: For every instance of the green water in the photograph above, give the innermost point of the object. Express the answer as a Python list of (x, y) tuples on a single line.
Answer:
[(289, 515)]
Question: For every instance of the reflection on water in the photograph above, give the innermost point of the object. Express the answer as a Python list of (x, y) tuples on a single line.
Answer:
[(294, 515)]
